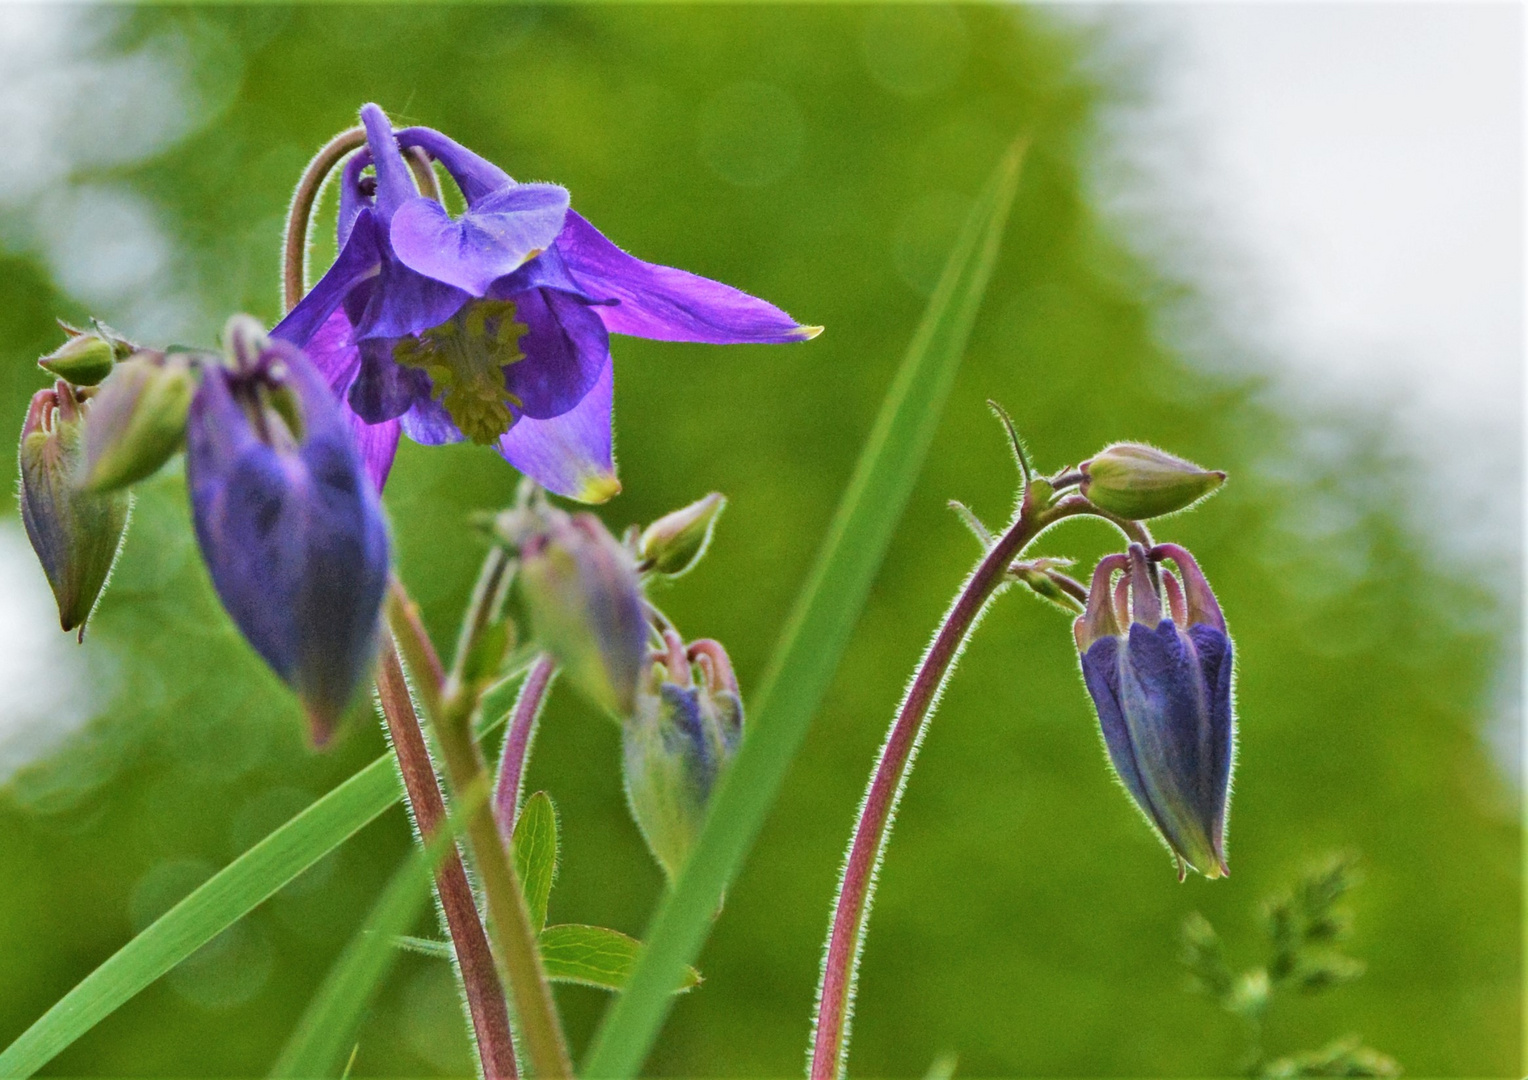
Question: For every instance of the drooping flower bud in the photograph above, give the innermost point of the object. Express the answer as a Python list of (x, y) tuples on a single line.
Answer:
[(138, 419), (1160, 679), (684, 730), (76, 533), (585, 603), (674, 543), (288, 522), (83, 360), (1137, 481)]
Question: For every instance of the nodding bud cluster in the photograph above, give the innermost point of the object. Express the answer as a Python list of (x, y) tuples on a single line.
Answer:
[(288, 522), (75, 532), (684, 730), (1156, 657), (674, 543), (138, 420), (1137, 481), (584, 599)]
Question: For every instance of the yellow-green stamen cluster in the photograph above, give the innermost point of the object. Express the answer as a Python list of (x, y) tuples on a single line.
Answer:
[(465, 358)]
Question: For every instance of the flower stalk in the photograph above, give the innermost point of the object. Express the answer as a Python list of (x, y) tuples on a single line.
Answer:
[(450, 712), (485, 995), (523, 720), (851, 909)]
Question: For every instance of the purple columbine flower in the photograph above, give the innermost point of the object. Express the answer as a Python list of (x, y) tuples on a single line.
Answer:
[(1162, 688), (493, 326), (289, 524)]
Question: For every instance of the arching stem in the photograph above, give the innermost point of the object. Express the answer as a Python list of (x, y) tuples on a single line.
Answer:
[(523, 720), (851, 909), (294, 253)]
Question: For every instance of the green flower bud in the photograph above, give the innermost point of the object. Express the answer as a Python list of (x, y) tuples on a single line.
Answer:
[(75, 532), (683, 733), (1137, 481), (585, 603), (138, 419), (84, 360), (674, 543)]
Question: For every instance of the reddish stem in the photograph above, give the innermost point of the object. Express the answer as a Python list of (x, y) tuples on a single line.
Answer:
[(840, 969), (517, 744), (485, 994)]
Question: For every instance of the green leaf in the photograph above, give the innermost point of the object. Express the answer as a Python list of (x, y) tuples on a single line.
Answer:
[(223, 900), (818, 631), (328, 1026), (440, 950), (595, 956), (535, 848)]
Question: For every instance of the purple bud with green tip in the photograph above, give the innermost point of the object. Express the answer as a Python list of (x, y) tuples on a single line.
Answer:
[(684, 730), (1159, 673), (585, 602), (288, 521)]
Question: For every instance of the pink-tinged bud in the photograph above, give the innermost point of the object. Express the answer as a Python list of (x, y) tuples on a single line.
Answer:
[(683, 733), (585, 603), (75, 532), (674, 543), (1137, 481)]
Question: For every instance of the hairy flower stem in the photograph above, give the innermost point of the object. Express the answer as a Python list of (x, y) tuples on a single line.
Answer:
[(450, 714), (851, 909), (294, 253), (485, 995), (517, 744)]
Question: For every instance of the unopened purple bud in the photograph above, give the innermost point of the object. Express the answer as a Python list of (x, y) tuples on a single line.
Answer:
[(585, 603), (289, 525), (1160, 678), (1138, 481), (684, 731), (75, 532)]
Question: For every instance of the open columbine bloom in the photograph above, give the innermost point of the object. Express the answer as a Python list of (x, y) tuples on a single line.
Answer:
[(1161, 682), (493, 326)]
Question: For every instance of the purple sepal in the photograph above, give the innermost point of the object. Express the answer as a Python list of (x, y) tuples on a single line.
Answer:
[(570, 455), (666, 304), (292, 535), (383, 390), (429, 424), (338, 360), (405, 302), (360, 259)]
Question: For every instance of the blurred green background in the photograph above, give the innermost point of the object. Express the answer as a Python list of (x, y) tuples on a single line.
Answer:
[(820, 157)]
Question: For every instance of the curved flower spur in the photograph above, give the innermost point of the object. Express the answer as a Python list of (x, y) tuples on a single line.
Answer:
[(493, 326)]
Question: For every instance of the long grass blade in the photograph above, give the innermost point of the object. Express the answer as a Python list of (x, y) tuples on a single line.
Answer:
[(222, 900), (817, 633), (327, 1029)]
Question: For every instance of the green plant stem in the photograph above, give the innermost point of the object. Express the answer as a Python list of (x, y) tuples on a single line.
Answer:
[(851, 909), (480, 980), (451, 718)]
